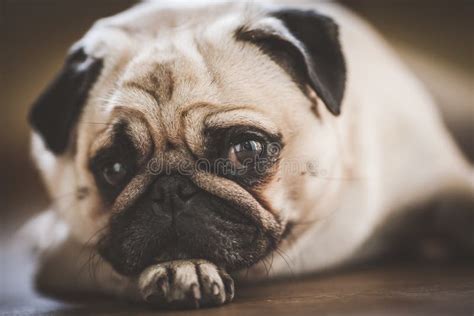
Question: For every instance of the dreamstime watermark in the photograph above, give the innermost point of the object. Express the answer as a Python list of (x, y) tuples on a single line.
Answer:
[(163, 164)]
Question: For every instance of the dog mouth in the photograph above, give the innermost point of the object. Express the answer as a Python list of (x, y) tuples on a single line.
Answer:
[(203, 227)]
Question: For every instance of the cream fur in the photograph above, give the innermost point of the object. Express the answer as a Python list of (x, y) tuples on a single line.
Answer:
[(376, 158)]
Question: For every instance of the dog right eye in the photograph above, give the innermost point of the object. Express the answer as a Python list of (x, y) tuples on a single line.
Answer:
[(245, 153), (114, 173)]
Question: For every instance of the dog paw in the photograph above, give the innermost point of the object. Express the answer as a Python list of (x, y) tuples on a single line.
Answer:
[(186, 284)]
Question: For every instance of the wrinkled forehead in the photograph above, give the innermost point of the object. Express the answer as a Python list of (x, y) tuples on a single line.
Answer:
[(186, 71), (161, 54), (175, 90)]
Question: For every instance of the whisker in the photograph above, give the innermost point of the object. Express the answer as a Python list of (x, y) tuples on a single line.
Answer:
[(265, 265), (340, 178), (87, 245), (99, 123), (271, 262), (56, 199), (281, 254)]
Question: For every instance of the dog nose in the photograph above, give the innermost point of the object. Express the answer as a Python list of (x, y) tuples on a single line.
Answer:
[(173, 188)]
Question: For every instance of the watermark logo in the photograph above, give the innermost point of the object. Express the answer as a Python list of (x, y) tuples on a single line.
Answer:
[(160, 165)]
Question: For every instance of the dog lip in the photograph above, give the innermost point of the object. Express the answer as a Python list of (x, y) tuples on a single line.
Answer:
[(234, 215)]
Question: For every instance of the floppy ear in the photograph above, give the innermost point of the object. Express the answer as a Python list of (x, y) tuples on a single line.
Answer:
[(54, 114), (306, 45)]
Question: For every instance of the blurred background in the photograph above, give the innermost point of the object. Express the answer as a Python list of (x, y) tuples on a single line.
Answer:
[(435, 38)]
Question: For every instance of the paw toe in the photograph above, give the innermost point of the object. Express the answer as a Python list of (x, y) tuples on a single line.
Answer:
[(186, 284)]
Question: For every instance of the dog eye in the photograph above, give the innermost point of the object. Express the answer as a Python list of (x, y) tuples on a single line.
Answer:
[(114, 173), (245, 153)]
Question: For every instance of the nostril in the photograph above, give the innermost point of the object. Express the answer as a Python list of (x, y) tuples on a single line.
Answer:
[(157, 208), (167, 189), (185, 192), (158, 195)]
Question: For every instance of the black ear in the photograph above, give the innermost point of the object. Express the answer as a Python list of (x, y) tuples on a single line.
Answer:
[(55, 113), (311, 54)]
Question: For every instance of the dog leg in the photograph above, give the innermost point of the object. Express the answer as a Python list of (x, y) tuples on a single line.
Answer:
[(64, 266)]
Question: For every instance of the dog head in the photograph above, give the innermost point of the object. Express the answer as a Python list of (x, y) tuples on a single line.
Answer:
[(165, 134)]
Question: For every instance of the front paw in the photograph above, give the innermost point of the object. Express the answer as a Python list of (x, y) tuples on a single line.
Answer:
[(186, 284)]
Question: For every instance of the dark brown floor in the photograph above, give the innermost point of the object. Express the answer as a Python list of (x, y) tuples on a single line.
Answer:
[(403, 289)]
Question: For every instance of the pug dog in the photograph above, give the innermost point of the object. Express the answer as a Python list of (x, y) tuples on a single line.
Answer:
[(186, 145)]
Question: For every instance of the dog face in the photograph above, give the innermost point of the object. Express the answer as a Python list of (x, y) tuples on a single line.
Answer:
[(187, 133)]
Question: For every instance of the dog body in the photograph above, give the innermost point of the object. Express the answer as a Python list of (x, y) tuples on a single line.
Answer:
[(170, 85)]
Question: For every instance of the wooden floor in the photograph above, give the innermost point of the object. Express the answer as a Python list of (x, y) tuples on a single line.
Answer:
[(403, 289)]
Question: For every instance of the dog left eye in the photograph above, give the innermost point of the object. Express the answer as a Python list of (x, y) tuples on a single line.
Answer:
[(114, 173), (245, 153)]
